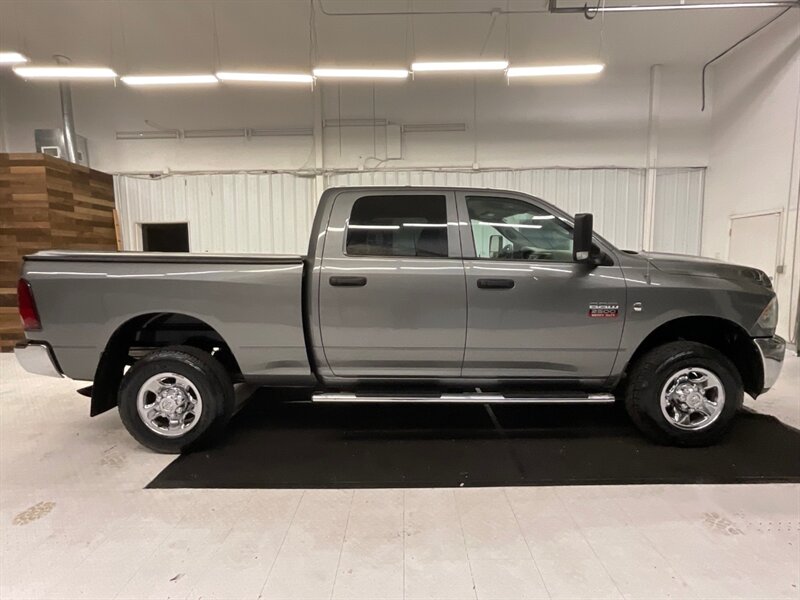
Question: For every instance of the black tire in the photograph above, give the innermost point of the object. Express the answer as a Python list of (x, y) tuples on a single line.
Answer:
[(205, 373), (650, 374)]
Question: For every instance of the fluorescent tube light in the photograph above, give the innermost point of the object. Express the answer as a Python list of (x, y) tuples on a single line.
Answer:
[(148, 135), (555, 70), (361, 73), (473, 65), (656, 7), (214, 133), (65, 72), (11, 58), (265, 77), (168, 79)]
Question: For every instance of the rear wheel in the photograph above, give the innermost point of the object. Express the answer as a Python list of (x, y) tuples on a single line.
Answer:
[(684, 394), (175, 399)]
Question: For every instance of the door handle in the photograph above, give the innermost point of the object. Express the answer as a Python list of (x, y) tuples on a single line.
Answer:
[(495, 284), (342, 281)]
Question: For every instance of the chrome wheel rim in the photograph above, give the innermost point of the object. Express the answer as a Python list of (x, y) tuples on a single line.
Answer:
[(692, 398), (169, 404)]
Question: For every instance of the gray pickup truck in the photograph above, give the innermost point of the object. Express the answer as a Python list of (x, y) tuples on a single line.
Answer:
[(408, 295)]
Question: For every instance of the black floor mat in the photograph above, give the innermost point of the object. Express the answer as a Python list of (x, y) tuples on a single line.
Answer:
[(283, 444)]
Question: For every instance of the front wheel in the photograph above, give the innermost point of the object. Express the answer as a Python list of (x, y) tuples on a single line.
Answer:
[(684, 394), (175, 399)]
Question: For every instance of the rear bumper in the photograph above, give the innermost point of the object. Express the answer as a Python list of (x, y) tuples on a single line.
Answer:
[(771, 350), (37, 357)]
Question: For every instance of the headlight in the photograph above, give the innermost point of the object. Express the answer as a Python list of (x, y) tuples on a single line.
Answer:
[(769, 316)]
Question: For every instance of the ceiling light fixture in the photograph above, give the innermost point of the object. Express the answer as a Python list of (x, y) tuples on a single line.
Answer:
[(171, 134), (168, 79), (361, 73), (214, 133), (459, 66), (657, 7), (265, 77), (12, 58), (555, 70), (65, 72)]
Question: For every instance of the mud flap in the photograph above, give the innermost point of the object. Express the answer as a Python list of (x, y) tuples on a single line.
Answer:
[(106, 382)]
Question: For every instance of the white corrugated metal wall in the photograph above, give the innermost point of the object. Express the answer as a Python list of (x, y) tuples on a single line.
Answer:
[(232, 212), (272, 212), (615, 196), (678, 210)]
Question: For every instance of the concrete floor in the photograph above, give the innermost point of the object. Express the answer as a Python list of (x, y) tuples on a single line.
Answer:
[(76, 523)]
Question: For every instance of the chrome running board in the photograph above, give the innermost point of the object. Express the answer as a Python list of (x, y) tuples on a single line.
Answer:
[(469, 398)]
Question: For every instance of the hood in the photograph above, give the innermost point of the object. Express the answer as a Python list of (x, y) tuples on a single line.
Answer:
[(680, 264)]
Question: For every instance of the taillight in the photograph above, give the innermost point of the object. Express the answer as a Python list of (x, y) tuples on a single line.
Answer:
[(27, 307)]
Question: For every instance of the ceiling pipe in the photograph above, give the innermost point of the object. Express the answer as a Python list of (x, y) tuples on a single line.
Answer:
[(408, 13), (591, 11), (553, 8), (67, 116), (729, 48)]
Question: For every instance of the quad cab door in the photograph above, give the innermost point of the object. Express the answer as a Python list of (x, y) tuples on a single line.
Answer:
[(532, 311), (392, 298)]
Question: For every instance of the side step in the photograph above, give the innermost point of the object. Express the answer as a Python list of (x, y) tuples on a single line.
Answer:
[(469, 398)]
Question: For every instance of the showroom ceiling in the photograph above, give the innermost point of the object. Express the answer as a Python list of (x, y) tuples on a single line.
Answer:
[(155, 37)]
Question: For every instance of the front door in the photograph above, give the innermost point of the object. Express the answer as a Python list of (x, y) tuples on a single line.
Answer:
[(392, 296), (533, 312)]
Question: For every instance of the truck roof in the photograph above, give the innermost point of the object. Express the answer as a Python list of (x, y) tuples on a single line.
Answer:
[(437, 188)]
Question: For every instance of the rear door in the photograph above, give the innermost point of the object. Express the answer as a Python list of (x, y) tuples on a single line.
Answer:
[(392, 297), (533, 312)]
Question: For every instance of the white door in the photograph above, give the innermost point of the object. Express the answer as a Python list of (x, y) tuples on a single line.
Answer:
[(754, 241)]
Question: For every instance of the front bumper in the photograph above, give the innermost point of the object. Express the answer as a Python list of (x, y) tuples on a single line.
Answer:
[(37, 357), (771, 350)]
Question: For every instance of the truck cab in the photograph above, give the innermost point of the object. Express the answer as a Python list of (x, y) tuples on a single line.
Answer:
[(464, 285)]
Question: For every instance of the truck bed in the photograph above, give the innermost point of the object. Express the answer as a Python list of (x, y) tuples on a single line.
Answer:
[(166, 257), (252, 301)]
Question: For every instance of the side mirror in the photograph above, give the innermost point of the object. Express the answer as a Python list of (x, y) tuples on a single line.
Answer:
[(582, 238), (495, 244)]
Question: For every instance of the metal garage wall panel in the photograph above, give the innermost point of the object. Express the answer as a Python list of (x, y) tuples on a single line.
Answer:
[(678, 210), (615, 196), (272, 212), (236, 212)]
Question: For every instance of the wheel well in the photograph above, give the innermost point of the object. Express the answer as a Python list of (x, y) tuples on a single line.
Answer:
[(144, 333), (723, 335)]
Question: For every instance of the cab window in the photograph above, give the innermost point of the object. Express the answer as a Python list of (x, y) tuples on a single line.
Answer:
[(510, 229), (398, 225)]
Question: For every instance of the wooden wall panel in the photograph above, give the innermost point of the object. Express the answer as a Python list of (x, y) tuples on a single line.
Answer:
[(47, 203)]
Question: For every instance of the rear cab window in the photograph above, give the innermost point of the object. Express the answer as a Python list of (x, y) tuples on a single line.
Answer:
[(398, 225)]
